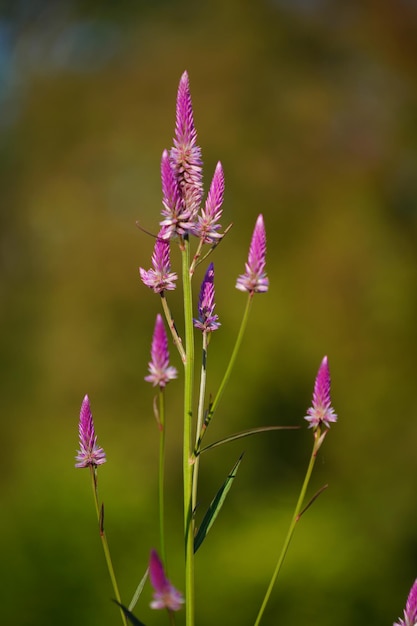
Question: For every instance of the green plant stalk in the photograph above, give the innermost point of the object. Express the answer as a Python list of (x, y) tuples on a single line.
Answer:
[(171, 616), (176, 338), (196, 257), (187, 442), (226, 376), (161, 477), (104, 542), (296, 516), (200, 416)]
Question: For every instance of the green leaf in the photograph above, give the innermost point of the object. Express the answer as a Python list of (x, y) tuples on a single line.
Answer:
[(246, 433), (138, 591), (215, 506), (132, 619)]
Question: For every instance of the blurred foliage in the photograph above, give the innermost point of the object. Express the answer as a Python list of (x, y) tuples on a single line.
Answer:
[(311, 107)]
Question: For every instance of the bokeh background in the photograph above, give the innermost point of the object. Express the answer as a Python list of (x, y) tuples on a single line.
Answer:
[(311, 105)]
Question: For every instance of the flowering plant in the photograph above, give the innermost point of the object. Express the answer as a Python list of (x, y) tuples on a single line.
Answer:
[(187, 219)]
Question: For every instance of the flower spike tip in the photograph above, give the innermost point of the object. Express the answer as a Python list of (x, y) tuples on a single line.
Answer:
[(89, 454), (321, 411)]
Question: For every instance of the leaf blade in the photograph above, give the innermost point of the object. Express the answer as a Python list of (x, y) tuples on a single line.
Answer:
[(139, 590), (246, 433), (215, 506), (132, 619)]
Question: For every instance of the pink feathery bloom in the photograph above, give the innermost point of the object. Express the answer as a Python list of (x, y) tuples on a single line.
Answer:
[(186, 154), (410, 611), (255, 280), (207, 319), (176, 214), (165, 595), (206, 227), (89, 454), (321, 412), (160, 372), (160, 276)]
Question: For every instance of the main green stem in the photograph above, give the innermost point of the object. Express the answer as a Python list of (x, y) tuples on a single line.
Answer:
[(296, 516), (187, 443), (104, 542)]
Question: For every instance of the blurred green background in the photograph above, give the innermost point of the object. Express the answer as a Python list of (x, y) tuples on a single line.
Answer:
[(311, 105)]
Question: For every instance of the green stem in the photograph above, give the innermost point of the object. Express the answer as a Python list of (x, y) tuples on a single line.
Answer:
[(100, 514), (171, 617), (196, 257), (226, 376), (161, 490), (296, 516), (175, 336), (187, 442), (200, 416)]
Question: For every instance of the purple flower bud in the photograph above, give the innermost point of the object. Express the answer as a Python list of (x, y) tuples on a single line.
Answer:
[(165, 595), (321, 411), (410, 611), (254, 279), (207, 321), (160, 372), (206, 227), (177, 216), (89, 454), (186, 154), (160, 277)]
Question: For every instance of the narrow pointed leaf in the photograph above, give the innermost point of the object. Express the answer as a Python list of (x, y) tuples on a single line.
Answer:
[(215, 506), (138, 591), (246, 433), (310, 502), (132, 619)]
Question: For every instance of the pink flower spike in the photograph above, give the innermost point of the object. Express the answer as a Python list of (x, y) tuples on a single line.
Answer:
[(206, 227), (176, 216), (160, 372), (89, 454), (160, 276), (186, 154), (255, 280), (321, 411), (165, 595), (207, 321), (410, 611)]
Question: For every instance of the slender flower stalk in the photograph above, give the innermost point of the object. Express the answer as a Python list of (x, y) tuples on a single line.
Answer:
[(161, 471), (410, 611), (298, 511), (160, 375), (208, 323), (213, 406), (200, 418), (159, 277), (170, 321), (90, 455), (254, 280), (165, 596)]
